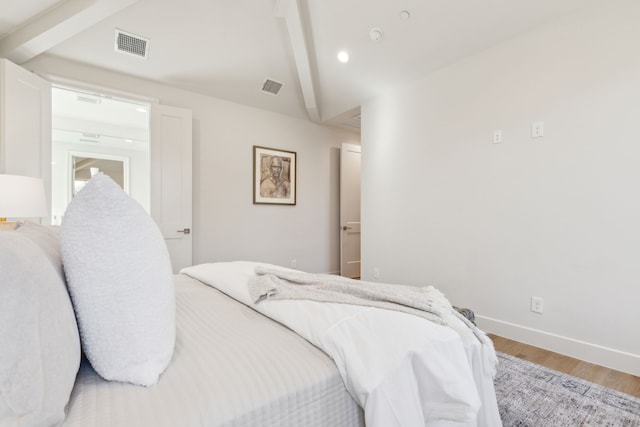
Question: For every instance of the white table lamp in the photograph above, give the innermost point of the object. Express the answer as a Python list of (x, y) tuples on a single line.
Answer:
[(21, 197)]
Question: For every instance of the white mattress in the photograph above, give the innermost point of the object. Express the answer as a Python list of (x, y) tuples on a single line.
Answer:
[(231, 367)]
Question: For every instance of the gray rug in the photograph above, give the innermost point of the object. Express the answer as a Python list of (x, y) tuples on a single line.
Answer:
[(531, 395)]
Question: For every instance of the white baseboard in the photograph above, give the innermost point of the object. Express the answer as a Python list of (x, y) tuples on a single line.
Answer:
[(592, 353)]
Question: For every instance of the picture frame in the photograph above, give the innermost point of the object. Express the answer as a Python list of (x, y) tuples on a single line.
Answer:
[(274, 176)]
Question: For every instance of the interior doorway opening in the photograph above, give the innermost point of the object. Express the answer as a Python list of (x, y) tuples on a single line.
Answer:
[(350, 159), (93, 132)]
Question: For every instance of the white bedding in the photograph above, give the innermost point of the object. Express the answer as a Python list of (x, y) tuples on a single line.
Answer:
[(403, 370), (232, 366)]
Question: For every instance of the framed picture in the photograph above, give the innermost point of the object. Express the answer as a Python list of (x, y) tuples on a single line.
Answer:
[(274, 176)]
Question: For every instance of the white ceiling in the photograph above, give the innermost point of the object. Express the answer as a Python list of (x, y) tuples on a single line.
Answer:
[(15, 13), (84, 118), (226, 48)]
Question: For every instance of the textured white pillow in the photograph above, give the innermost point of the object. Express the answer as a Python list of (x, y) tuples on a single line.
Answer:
[(39, 343), (120, 280)]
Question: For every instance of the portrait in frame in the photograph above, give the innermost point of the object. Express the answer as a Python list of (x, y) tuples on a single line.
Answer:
[(274, 176)]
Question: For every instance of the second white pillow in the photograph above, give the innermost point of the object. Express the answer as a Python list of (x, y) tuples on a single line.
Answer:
[(120, 280)]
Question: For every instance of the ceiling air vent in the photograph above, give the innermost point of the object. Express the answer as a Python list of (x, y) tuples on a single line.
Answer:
[(271, 86), (352, 122), (89, 137), (88, 99), (131, 44)]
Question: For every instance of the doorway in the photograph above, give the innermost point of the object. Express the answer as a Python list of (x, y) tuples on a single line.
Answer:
[(97, 133), (162, 142), (350, 211)]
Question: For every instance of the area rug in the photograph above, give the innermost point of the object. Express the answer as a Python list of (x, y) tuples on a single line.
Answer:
[(530, 395)]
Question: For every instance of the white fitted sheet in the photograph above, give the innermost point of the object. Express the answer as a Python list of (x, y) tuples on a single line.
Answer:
[(232, 367)]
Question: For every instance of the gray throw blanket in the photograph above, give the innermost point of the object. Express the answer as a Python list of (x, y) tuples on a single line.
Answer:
[(426, 302)]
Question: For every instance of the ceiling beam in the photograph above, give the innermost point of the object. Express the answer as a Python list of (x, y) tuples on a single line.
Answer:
[(289, 10), (58, 24)]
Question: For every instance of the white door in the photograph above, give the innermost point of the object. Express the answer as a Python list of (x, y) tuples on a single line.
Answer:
[(171, 186), (350, 211), (25, 124)]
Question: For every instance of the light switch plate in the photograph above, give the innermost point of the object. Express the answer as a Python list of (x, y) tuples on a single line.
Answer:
[(537, 129), (497, 137)]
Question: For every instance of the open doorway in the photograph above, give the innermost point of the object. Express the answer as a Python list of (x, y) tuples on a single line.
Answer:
[(96, 133), (350, 211)]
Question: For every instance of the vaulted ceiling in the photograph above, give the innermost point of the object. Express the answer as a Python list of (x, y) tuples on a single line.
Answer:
[(227, 48)]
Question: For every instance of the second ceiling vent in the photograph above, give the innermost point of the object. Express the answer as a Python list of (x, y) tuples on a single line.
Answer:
[(131, 44), (271, 86)]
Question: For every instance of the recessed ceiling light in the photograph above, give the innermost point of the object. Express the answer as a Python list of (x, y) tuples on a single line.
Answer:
[(376, 34), (343, 56)]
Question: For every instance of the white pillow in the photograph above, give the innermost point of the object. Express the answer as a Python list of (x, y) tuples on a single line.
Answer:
[(120, 280), (40, 347), (47, 237)]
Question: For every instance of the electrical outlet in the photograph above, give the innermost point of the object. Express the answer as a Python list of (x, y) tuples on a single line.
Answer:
[(537, 305), (294, 263), (376, 273)]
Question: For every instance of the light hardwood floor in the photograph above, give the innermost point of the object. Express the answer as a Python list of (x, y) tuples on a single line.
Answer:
[(616, 380)]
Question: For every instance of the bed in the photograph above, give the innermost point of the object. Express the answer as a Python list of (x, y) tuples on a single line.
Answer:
[(97, 332), (232, 366)]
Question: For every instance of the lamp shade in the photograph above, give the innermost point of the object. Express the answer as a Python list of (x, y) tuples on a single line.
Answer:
[(22, 197)]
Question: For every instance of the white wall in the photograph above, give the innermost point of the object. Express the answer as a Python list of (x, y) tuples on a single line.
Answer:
[(227, 226), (493, 225)]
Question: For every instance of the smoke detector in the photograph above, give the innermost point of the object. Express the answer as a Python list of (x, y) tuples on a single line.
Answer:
[(131, 44), (271, 87), (376, 34)]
